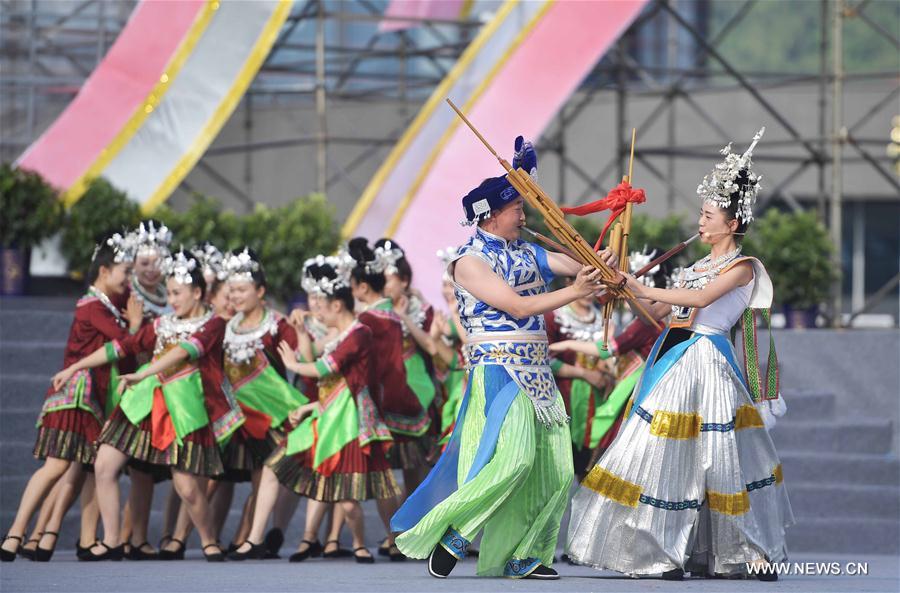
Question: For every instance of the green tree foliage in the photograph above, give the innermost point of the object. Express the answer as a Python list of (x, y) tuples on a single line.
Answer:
[(31, 210), (102, 210)]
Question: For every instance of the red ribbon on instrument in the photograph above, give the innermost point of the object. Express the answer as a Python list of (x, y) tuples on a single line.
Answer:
[(615, 200)]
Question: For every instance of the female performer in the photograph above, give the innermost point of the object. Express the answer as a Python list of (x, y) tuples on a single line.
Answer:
[(693, 481)]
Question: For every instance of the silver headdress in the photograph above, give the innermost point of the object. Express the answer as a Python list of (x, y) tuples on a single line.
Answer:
[(639, 259), (179, 266), (386, 258), (151, 240), (718, 186), (239, 267), (447, 255), (342, 264), (210, 259), (123, 248)]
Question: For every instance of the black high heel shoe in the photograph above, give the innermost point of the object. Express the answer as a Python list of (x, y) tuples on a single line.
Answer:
[(6, 555), (363, 559), (217, 556), (43, 554), (313, 550), (172, 554), (256, 552), (115, 554)]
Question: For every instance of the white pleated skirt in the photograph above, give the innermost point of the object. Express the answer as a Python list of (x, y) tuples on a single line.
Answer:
[(692, 481)]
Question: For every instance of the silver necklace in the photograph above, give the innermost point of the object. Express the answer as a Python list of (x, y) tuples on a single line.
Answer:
[(101, 296), (171, 330), (709, 270), (332, 345), (415, 310), (155, 304), (588, 328), (241, 345)]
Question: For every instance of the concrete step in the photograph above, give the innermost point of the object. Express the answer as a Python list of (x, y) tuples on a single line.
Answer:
[(840, 468), (850, 436), (18, 426), (21, 391), (805, 405), (43, 303), (843, 501), (838, 535), (34, 325), (39, 358), (17, 459)]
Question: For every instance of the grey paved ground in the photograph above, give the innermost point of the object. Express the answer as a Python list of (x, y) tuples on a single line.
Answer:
[(195, 576)]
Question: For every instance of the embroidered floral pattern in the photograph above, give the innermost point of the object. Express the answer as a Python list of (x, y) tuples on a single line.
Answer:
[(455, 543)]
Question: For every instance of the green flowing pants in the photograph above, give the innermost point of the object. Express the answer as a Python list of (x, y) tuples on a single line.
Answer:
[(518, 498)]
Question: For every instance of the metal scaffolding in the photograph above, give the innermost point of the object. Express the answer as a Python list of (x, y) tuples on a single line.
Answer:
[(333, 52)]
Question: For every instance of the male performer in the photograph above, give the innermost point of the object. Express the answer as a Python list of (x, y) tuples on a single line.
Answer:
[(508, 466)]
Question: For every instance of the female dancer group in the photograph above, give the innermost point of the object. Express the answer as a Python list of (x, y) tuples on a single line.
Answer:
[(178, 368)]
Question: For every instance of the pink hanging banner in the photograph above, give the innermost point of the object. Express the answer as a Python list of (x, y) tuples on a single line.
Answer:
[(523, 96), (419, 9), (118, 86)]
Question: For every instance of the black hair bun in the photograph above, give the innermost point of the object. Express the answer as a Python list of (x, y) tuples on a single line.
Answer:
[(359, 250)]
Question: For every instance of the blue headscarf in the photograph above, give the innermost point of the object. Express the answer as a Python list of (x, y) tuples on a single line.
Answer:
[(496, 192)]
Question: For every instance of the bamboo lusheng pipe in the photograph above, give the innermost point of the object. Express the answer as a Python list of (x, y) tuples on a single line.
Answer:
[(620, 239), (550, 242), (564, 232), (659, 260)]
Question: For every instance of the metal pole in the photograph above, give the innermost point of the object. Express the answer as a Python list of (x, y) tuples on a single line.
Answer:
[(101, 31), (672, 35), (32, 55), (621, 148), (837, 145), (823, 106), (321, 146), (858, 270), (248, 138), (561, 154)]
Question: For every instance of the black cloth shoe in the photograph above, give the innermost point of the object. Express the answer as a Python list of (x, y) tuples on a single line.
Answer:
[(7, 556), (395, 554), (217, 555), (384, 548), (256, 552), (273, 542), (79, 551), (28, 554), (115, 554), (337, 552), (173, 554), (441, 562), (45, 554), (676, 574), (137, 552), (544, 573), (313, 550), (367, 559)]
